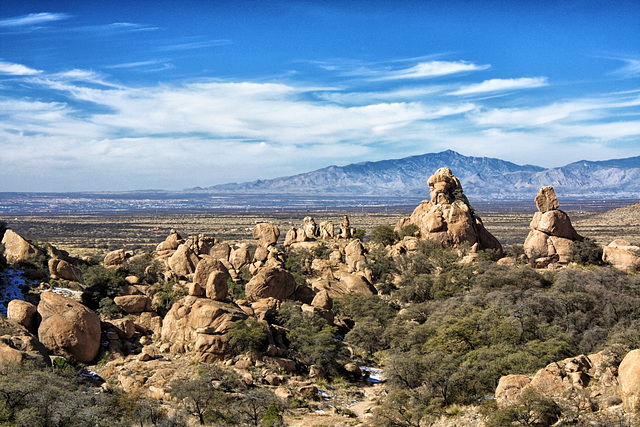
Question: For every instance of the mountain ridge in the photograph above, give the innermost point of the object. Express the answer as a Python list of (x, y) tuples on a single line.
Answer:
[(481, 177)]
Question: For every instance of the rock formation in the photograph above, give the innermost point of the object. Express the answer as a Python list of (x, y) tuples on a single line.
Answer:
[(68, 328), (17, 249), (622, 255), (552, 237), (18, 345), (448, 218)]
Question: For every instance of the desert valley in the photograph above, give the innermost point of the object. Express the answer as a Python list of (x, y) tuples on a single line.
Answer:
[(446, 314)]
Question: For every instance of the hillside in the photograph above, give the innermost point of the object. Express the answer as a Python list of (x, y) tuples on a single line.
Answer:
[(482, 178)]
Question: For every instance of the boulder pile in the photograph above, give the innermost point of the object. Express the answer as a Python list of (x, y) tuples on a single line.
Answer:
[(552, 237), (448, 217)]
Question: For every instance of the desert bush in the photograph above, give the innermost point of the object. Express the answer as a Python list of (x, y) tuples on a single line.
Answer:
[(246, 336), (168, 293), (587, 252), (311, 339), (408, 230), (531, 409), (359, 233), (384, 235), (101, 283)]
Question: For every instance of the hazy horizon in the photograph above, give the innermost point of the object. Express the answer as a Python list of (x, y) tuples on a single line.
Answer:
[(105, 97)]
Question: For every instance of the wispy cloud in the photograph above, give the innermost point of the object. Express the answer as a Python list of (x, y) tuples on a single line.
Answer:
[(432, 69), (501, 85), (630, 69), (193, 45), (138, 64), (117, 27), (33, 19), (17, 69)]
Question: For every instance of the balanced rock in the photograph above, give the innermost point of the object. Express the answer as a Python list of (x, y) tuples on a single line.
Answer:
[(17, 249), (183, 261), (210, 279), (551, 236), (271, 282), (448, 218), (68, 328)]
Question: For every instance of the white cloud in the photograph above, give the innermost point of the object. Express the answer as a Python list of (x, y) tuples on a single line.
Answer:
[(17, 69), (433, 69), (499, 85), (631, 69), (32, 19)]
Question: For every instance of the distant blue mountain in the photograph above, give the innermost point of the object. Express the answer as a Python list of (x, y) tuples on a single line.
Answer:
[(481, 177)]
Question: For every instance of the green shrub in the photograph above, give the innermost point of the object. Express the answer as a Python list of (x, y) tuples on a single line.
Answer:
[(408, 230), (101, 283), (359, 233), (247, 336), (587, 252), (168, 293), (384, 235)]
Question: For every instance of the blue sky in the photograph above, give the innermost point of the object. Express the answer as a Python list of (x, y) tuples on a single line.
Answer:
[(123, 95)]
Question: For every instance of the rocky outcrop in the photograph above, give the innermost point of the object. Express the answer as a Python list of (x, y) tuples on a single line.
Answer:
[(133, 303), (622, 255), (68, 328), (17, 345), (210, 279), (115, 258), (171, 243), (552, 237), (17, 249), (448, 218), (198, 325), (271, 282), (183, 261)]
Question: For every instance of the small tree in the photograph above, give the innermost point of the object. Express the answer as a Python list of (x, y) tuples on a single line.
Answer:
[(247, 336)]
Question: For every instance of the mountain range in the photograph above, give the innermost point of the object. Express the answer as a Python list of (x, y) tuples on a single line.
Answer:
[(481, 177)]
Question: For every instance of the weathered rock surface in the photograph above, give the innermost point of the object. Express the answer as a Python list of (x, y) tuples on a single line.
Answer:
[(115, 258), (23, 313), (629, 379), (171, 243), (183, 261), (266, 233), (622, 254), (18, 345), (210, 279), (133, 303), (552, 237), (17, 249), (68, 328), (198, 325), (509, 389), (271, 282), (448, 217), (61, 269)]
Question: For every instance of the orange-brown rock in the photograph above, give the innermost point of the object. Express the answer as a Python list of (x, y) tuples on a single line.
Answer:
[(551, 237), (171, 243), (18, 345), (61, 269), (354, 255), (210, 279), (271, 282), (17, 249), (509, 389), (23, 313), (68, 328), (447, 217), (197, 325), (622, 255), (629, 380), (133, 303), (266, 233), (115, 258), (183, 261)]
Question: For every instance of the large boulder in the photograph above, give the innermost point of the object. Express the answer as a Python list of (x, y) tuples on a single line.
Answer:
[(546, 200), (210, 279), (198, 325), (354, 255), (629, 380), (17, 249), (447, 217), (23, 313), (183, 261), (18, 345), (509, 389), (68, 328), (115, 258), (133, 303), (266, 233), (622, 255), (61, 269), (171, 243), (271, 282)]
